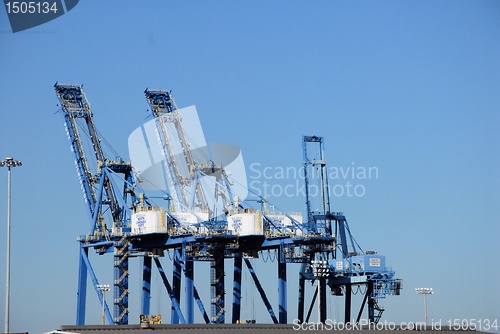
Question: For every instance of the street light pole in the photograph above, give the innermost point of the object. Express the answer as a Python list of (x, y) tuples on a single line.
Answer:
[(425, 292), (9, 162), (103, 288)]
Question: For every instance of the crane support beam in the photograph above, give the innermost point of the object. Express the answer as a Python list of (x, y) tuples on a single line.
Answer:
[(311, 306), (187, 266), (176, 283), (365, 299), (103, 244), (201, 307), (237, 289), (175, 302), (261, 291), (95, 282), (301, 297), (81, 302), (120, 291), (200, 304), (188, 269), (146, 285), (282, 287), (322, 299), (371, 303), (217, 286), (189, 275), (348, 295)]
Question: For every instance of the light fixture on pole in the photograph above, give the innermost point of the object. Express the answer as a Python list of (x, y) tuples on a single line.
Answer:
[(103, 288), (425, 292), (320, 268), (9, 162)]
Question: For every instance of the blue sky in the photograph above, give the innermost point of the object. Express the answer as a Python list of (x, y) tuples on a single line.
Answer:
[(409, 87)]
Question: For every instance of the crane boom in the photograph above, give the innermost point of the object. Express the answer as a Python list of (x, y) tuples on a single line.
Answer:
[(75, 106), (165, 111)]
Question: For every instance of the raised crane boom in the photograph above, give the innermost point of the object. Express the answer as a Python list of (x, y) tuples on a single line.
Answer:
[(314, 162), (75, 105), (165, 111)]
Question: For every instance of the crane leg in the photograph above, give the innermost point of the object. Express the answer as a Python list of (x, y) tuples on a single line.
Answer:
[(300, 307), (322, 299), (146, 285), (121, 254), (348, 294), (82, 287), (217, 286), (238, 262), (282, 292), (189, 274), (176, 284)]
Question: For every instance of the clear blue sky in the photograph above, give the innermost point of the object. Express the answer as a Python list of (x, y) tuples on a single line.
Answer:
[(409, 87)]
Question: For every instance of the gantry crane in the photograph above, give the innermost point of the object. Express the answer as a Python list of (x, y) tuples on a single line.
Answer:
[(250, 230), (98, 177), (346, 265), (223, 227)]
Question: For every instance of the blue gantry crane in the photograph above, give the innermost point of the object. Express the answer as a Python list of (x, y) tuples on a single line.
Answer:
[(100, 180), (346, 266), (209, 224)]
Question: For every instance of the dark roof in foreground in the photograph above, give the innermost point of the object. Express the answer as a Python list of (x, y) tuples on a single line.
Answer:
[(241, 328)]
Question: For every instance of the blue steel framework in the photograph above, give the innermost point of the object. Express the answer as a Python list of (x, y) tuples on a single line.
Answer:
[(98, 179), (346, 265), (109, 187)]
